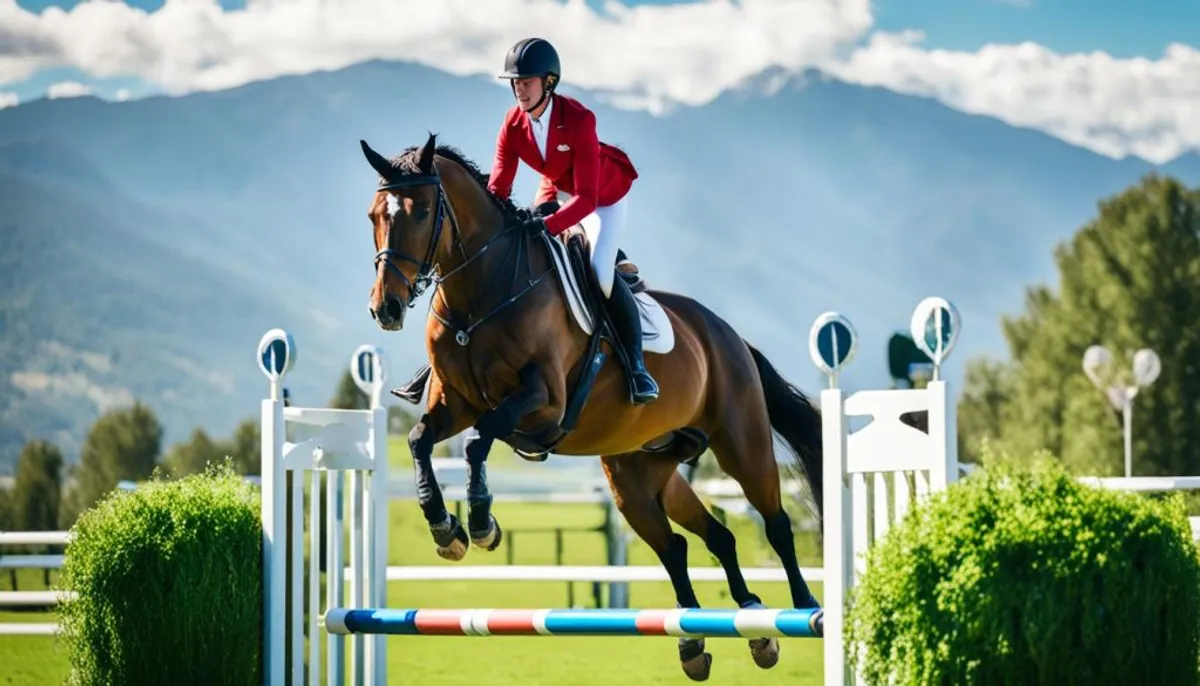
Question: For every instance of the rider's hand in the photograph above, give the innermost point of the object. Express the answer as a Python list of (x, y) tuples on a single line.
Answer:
[(534, 226), (546, 209)]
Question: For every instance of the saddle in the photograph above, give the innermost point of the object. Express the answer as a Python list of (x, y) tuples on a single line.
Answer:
[(580, 287), (577, 250)]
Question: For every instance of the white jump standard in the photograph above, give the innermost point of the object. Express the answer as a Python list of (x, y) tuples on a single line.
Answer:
[(316, 440), (860, 467)]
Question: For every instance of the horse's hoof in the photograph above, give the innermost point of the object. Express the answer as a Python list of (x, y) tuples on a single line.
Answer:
[(457, 549), (765, 652), (451, 540), (699, 667), (696, 663), (490, 539)]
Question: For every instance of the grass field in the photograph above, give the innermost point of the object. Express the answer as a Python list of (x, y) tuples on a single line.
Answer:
[(431, 661)]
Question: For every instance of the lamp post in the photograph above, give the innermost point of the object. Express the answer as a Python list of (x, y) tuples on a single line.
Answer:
[(1097, 364)]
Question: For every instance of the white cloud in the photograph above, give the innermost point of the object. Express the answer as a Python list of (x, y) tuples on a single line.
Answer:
[(122, 95), (72, 384), (1114, 106), (8, 99), (646, 56), (661, 53), (67, 89)]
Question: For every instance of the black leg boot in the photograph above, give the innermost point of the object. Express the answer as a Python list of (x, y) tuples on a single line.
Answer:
[(624, 311)]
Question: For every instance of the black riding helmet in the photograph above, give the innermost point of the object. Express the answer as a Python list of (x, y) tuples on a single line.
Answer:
[(533, 57)]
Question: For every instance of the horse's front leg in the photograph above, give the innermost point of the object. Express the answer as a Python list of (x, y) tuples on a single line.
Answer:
[(496, 424), (440, 421)]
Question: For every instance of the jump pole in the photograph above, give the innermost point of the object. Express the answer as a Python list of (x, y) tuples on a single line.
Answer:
[(715, 623)]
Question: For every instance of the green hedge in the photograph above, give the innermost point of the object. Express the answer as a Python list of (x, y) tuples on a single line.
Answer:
[(1025, 576), (169, 585)]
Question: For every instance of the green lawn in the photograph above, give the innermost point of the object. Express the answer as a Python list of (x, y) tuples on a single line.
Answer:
[(517, 660)]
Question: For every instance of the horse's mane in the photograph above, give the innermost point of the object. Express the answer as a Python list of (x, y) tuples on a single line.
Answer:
[(408, 163)]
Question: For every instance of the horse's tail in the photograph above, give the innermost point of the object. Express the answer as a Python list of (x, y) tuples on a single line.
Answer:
[(796, 420)]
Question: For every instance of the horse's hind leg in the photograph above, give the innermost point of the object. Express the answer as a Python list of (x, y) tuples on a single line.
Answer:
[(684, 507), (749, 458), (637, 481), (493, 424)]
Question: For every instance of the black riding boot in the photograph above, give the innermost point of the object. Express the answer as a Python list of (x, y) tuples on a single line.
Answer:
[(624, 310)]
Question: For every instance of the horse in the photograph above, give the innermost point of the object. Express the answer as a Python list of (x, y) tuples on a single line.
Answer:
[(517, 347)]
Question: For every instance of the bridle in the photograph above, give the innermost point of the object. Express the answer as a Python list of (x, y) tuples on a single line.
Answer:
[(426, 267), (428, 272)]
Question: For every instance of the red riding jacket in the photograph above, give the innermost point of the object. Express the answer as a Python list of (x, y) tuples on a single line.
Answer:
[(593, 173)]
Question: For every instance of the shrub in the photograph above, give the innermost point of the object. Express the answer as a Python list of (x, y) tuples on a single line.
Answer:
[(168, 585), (1026, 576)]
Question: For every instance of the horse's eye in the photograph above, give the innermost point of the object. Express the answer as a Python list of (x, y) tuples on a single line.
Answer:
[(421, 213)]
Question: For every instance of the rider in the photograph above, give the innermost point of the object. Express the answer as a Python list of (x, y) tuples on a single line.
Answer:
[(556, 136)]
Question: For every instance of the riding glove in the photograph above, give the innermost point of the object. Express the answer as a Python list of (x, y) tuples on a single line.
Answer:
[(534, 226), (546, 209)]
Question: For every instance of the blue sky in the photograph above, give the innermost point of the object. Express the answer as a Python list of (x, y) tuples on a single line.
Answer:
[(1097, 73), (1122, 28)]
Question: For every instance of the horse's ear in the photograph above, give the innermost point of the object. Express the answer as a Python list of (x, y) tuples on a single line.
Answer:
[(378, 163), (426, 161)]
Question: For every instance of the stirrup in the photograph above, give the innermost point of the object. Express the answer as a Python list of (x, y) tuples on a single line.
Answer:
[(646, 397), (635, 372)]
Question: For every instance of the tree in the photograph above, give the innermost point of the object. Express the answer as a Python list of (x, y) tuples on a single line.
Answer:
[(5, 509), (123, 443), (986, 394), (246, 447), (192, 456), (1128, 279), (400, 420), (348, 396), (37, 489)]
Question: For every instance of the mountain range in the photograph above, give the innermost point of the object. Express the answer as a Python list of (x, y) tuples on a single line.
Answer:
[(148, 244)]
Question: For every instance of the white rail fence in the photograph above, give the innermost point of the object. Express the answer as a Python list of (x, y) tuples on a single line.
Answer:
[(714, 488), (30, 598)]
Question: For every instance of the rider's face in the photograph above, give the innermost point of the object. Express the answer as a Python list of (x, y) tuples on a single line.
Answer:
[(527, 91)]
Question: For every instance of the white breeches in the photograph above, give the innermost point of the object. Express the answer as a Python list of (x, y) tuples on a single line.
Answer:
[(605, 228)]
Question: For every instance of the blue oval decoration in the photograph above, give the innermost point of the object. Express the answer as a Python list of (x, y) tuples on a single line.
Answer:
[(276, 353), (366, 366), (934, 327), (832, 342), (366, 363)]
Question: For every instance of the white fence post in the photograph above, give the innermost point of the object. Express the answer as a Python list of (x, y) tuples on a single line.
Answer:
[(276, 356), (862, 466), (329, 441)]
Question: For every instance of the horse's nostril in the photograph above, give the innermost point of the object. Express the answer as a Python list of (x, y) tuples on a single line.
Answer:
[(372, 311), (394, 307)]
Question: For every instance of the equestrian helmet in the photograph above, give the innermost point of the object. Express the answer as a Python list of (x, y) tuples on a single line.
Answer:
[(532, 57)]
